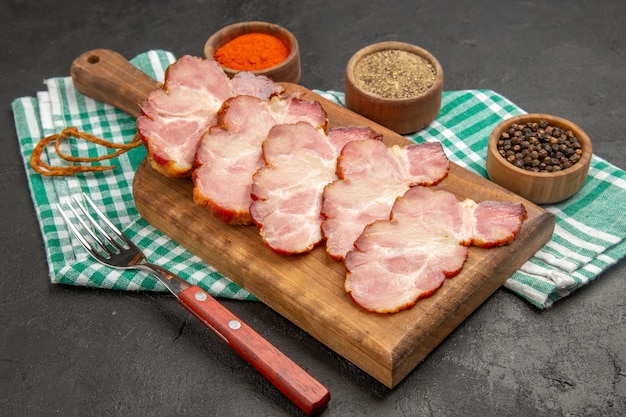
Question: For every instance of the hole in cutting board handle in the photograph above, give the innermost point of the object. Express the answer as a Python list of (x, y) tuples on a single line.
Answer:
[(93, 59)]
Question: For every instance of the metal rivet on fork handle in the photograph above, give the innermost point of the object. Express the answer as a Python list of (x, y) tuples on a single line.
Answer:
[(200, 296)]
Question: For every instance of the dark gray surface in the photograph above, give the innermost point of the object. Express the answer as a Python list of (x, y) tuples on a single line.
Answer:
[(76, 352)]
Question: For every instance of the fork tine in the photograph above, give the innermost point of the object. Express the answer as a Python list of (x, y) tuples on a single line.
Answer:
[(73, 229), (104, 219), (101, 249), (86, 227)]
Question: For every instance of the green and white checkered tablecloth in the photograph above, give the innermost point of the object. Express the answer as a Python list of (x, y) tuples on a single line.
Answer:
[(589, 236)]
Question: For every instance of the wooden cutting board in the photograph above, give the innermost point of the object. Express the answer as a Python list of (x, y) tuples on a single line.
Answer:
[(308, 289)]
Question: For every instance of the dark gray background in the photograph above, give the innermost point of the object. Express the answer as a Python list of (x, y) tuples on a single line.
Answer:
[(76, 352)]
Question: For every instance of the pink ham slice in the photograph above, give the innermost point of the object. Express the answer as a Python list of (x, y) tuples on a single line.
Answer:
[(407, 257), (175, 117), (371, 177), (300, 161), (231, 152)]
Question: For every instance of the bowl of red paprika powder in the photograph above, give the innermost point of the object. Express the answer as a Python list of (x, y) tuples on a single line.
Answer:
[(259, 47)]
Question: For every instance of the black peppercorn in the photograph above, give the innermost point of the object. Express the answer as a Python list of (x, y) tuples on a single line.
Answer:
[(539, 147)]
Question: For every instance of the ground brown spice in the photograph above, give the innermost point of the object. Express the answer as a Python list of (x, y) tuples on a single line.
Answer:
[(394, 74)]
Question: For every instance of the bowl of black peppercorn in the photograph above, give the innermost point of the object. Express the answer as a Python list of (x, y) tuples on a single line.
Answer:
[(540, 157)]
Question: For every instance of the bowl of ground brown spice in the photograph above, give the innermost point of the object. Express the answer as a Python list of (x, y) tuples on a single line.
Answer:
[(259, 47), (396, 84), (540, 157)]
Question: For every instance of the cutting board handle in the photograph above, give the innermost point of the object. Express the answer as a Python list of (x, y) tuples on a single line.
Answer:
[(107, 76)]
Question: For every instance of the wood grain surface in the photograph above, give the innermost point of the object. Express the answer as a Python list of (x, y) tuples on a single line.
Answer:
[(308, 289)]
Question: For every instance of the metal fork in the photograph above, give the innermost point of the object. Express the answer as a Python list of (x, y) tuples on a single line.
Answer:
[(109, 246)]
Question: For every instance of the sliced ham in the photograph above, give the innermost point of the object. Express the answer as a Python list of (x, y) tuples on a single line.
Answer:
[(231, 152), (175, 117), (371, 177), (300, 161), (397, 261)]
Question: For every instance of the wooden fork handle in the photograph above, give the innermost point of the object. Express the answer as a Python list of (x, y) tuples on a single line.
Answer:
[(293, 381)]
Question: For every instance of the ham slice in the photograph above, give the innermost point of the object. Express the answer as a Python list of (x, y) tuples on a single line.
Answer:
[(300, 161), (231, 152), (371, 177), (175, 117), (397, 261)]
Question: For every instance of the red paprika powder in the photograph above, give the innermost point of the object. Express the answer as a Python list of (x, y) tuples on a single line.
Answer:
[(251, 52)]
